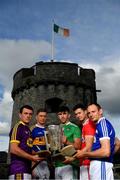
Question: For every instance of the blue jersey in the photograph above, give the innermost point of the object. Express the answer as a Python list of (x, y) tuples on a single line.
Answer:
[(38, 136), (104, 130)]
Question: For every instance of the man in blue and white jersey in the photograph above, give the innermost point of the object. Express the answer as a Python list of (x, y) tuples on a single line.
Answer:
[(103, 147)]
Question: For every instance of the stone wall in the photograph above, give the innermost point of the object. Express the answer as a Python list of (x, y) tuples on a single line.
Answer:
[(50, 84)]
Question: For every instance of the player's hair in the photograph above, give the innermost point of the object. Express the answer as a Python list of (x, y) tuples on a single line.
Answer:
[(63, 109), (81, 106), (41, 110), (96, 104), (27, 107)]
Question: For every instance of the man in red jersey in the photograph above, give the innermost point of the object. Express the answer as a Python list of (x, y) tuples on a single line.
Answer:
[(88, 131)]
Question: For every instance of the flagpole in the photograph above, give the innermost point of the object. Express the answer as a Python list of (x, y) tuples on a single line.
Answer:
[(52, 45)]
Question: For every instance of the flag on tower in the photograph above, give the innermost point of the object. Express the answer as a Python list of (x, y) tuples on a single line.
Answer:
[(62, 31)]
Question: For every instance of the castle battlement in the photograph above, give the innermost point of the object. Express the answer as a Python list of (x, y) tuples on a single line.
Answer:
[(52, 73), (51, 84)]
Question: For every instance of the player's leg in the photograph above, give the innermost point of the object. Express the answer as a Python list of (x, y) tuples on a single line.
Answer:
[(100, 170), (84, 173), (20, 176), (41, 171)]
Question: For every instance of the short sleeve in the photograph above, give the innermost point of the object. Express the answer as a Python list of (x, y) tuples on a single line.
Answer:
[(16, 134), (77, 132)]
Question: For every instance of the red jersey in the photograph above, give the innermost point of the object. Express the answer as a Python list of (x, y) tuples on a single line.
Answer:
[(88, 129)]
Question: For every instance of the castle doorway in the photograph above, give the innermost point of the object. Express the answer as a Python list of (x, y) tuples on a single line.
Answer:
[(53, 104)]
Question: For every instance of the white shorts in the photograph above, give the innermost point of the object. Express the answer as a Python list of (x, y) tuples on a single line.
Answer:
[(19, 176), (100, 170), (84, 172), (65, 173), (41, 171)]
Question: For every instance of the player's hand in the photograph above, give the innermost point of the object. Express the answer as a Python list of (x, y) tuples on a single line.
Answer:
[(36, 158), (79, 154), (68, 159)]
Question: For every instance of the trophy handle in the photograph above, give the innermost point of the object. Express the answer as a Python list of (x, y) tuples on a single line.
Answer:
[(47, 140)]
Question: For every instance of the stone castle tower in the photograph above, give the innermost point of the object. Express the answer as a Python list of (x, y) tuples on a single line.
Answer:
[(51, 84)]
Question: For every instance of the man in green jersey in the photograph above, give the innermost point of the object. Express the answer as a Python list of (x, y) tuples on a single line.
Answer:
[(71, 136)]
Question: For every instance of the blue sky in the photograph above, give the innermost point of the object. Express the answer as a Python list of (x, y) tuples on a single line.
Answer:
[(94, 42)]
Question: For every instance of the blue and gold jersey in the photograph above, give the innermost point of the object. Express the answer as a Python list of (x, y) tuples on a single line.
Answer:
[(38, 136)]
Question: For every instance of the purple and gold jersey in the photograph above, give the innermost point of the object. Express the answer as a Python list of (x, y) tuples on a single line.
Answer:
[(38, 136), (21, 134)]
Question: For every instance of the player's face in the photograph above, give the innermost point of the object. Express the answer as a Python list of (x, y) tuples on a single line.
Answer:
[(80, 114), (64, 117), (94, 113), (41, 118), (26, 115)]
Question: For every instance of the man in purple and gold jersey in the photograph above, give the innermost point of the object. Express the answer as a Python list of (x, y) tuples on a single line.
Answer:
[(21, 146)]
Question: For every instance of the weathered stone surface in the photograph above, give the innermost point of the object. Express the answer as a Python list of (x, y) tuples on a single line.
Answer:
[(50, 84)]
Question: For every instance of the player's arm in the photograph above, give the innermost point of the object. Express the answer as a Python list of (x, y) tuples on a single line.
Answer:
[(76, 143), (117, 145), (88, 141), (15, 149), (104, 151), (77, 138)]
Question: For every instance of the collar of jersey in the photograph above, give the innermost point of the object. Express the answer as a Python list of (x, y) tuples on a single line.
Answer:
[(85, 121), (67, 123), (21, 122), (38, 125), (102, 118)]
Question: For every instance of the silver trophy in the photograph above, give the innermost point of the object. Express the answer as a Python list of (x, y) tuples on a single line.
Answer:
[(53, 138)]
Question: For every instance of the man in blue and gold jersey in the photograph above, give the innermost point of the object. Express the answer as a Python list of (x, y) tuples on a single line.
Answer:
[(41, 171), (21, 146)]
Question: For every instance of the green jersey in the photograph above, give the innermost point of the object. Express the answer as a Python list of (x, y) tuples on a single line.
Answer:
[(71, 131)]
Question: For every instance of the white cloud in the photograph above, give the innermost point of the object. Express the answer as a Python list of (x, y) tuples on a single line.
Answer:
[(14, 56), (18, 54), (108, 81), (24, 53), (4, 127), (6, 113)]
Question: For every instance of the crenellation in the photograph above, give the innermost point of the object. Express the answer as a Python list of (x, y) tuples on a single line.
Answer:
[(50, 84)]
